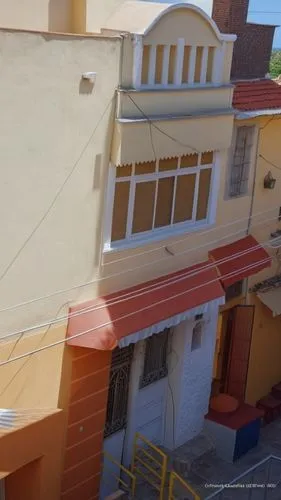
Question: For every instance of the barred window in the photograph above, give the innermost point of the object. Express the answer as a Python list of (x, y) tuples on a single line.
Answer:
[(116, 416), (155, 360), (241, 161)]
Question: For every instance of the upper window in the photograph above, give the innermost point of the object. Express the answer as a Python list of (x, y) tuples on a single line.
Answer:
[(241, 162), (177, 64), (152, 197)]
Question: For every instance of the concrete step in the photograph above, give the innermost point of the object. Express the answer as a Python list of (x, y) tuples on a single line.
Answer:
[(118, 495), (182, 459)]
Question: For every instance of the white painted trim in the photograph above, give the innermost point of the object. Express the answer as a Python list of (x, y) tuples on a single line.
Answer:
[(179, 61), (218, 63), (165, 67), (204, 65), (215, 188), (192, 63), (230, 160), (132, 195), (152, 65), (109, 205), (167, 323), (196, 9), (247, 115), (195, 198), (155, 203), (137, 65), (135, 374), (184, 86)]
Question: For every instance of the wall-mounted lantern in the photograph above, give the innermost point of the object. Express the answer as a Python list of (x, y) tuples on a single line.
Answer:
[(269, 182)]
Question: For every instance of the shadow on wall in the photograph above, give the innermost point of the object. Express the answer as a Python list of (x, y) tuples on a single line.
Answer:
[(59, 15), (102, 164)]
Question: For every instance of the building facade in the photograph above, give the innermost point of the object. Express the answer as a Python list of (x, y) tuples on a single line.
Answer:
[(117, 226)]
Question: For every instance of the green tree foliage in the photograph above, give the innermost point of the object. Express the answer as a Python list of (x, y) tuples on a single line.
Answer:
[(275, 64)]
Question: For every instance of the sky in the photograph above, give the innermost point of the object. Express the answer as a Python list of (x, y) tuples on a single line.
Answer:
[(260, 11)]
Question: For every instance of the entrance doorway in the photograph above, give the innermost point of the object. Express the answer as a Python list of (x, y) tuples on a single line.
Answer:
[(232, 352), (136, 400)]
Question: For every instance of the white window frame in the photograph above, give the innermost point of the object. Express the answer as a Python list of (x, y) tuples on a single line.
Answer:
[(161, 233), (253, 154)]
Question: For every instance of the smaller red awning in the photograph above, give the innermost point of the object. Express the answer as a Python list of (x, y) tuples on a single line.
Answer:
[(239, 260), (108, 319)]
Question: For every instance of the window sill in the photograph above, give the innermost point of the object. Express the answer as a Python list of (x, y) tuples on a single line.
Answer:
[(145, 240), (238, 197), (173, 87)]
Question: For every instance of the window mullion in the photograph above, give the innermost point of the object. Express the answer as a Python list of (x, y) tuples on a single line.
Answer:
[(196, 193), (131, 206), (155, 203), (174, 199)]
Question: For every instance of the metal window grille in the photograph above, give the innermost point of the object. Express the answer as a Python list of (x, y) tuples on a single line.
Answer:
[(116, 417), (155, 360), (241, 161), (234, 291), (197, 333)]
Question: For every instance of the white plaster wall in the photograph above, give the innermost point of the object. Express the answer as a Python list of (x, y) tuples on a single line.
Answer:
[(190, 380)]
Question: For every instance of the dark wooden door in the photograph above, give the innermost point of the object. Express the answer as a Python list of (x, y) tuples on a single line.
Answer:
[(242, 319)]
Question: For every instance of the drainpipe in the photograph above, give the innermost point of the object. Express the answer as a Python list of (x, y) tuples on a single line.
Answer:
[(252, 200)]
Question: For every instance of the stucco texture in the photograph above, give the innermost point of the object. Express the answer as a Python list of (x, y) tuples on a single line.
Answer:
[(54, 143)]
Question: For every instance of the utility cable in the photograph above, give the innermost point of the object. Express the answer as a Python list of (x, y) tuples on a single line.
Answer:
[(144, 309), (151, 122), (97, 280), (269, 162), (171, 280), (57, 195)]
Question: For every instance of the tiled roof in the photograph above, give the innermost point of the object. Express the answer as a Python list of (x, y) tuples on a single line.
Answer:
[(257, 95)]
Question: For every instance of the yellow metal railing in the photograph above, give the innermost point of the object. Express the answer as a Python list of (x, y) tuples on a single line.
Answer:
[(129, 486), (176, 479), (150, 463)]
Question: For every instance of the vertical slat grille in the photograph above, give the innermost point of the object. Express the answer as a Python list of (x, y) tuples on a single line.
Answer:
[(240, 167)]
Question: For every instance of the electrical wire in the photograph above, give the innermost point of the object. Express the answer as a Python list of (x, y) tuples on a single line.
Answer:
[(110, 323), (203, 233), (82, 285), (269, 162), (158, 128), (133, 295), (57, 195), (171, 280), (61, 189)]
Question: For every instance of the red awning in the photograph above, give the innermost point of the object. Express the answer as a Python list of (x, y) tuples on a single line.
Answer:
[(239, 260), (108, 319)]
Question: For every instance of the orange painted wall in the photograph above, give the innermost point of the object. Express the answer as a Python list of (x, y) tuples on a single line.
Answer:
[(33, 453), (25, 482), (86, 420)]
